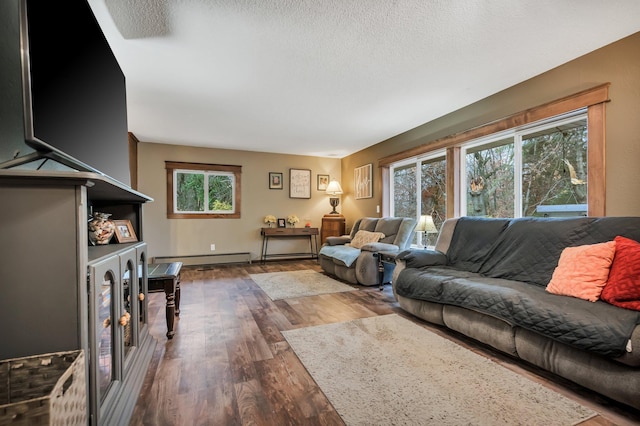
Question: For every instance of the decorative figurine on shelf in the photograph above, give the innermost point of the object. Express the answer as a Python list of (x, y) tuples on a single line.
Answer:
[(292, 219), (270, 220), (101, 228)]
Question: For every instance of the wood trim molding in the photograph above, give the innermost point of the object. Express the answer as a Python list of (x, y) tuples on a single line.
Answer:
[(593, 99), (586, 98), (596, 171), (170, 166)]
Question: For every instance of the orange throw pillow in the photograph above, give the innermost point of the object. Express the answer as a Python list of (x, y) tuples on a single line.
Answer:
[(582, 271), (623, 285)]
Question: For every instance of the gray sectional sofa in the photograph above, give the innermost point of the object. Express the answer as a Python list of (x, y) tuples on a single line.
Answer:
[(487, 279)]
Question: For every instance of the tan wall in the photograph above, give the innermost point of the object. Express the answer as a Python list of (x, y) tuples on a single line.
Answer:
[(618, 63), (180, 237)]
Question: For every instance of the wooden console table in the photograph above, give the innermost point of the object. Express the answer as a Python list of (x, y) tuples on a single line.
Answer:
[(166, 277), (310, 233)]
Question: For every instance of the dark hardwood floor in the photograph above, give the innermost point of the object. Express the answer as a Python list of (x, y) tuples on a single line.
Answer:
[(228, 363)]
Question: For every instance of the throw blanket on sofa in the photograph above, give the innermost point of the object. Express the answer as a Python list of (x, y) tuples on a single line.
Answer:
[(346, 255), (569, 320), (509, 262)]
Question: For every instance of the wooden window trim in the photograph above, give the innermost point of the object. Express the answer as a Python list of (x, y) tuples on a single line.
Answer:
[(170, 166), (593, 99)]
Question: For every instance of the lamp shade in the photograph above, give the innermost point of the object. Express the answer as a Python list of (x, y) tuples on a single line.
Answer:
[(334, 188), (425, 224)]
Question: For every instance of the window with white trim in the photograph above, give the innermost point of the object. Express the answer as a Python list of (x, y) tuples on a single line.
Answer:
[(535, 170), (203, 190), (540, 170), (430, 199)]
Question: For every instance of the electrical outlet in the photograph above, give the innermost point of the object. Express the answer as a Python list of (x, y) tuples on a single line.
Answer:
[(213, 247), (377, 209)]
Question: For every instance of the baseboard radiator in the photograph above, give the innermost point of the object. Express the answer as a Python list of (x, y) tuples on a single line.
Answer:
[(206, 259)]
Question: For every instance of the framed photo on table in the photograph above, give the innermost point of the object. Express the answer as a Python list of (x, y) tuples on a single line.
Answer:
[(282, 223), (299, 183), (124, 231)]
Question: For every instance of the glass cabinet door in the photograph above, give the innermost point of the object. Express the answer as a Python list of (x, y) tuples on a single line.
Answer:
[(141, 252), (104, 279), (128, 268)]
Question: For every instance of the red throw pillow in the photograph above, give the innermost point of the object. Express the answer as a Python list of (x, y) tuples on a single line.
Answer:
[(582, 271), (623, 286)]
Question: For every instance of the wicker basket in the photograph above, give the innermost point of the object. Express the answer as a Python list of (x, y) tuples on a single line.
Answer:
[(45, 389)]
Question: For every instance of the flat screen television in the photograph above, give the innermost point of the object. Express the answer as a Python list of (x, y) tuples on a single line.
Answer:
[(74, 90)]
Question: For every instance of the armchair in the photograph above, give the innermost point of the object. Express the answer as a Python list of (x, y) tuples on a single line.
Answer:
[(353, 258)]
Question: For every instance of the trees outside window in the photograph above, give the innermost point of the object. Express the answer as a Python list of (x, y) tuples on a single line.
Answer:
[(538, 170), (430, 199), (490, 179), (554, 170), (203, 190), (545, 165)]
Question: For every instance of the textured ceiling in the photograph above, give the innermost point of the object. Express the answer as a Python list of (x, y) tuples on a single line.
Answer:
[(331, 77)]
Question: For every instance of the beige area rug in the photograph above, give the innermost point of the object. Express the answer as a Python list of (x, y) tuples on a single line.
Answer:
[(290, 284), (387, 370)]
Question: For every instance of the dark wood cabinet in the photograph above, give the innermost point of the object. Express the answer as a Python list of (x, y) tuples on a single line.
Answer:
[(332, 226)]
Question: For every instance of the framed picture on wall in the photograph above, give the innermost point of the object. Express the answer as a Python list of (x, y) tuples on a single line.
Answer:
[(275, 180), (299, 183), (323, 182), (363, 181)]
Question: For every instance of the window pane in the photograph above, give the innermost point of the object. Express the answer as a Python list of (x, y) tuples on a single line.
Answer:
[(404, 191), (490, 182), (220, 193), (554, 171), (190, 192), (433, 186)]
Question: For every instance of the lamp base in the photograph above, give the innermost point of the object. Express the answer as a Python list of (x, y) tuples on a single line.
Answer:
[(334, 203)]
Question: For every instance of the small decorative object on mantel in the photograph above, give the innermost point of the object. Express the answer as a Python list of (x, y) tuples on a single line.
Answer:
[(307, 223), (269, 220), (292, 219), (101, 228), (125, 232)]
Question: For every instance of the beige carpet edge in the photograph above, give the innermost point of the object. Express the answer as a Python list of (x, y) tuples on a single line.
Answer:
[(387, 370)]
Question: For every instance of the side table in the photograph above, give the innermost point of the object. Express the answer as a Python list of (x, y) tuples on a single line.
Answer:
[(333, 225), (386, 259), (166, 277)]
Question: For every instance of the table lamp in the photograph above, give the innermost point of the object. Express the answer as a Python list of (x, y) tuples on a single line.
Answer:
[(334, 188), (426, 226)]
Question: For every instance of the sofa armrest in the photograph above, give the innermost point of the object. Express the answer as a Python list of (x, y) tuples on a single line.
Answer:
[(337, 241), (415, 258), (376, 247)]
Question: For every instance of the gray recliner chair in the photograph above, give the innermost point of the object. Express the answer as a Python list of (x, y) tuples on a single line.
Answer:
[(358, 264)]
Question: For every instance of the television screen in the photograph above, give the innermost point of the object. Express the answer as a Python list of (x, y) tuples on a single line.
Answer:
[(75, 90)]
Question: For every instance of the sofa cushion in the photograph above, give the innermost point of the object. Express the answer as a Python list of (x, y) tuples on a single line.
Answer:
[(367, 224), (473, 240), (365, 237), (582, 271), (598, 327), (623, 286), (345, 255), (389, 226), (529, 249)]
